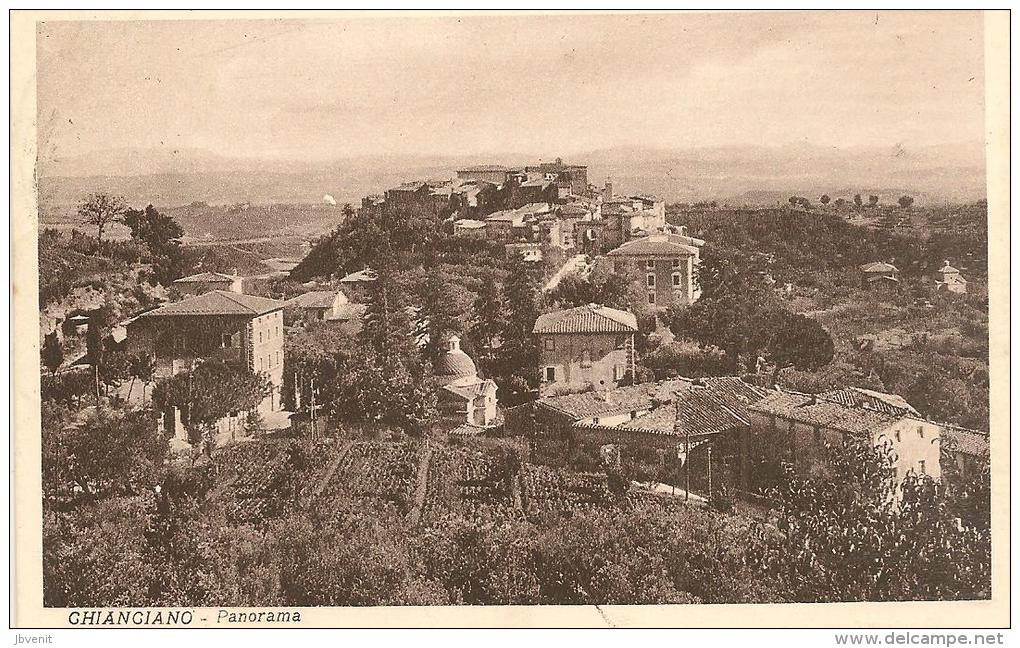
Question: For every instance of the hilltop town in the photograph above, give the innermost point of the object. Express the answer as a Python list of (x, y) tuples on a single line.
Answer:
[(471, 376)]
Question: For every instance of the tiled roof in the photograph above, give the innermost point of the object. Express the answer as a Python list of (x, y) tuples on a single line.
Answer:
[(217, 302), (472, 390), (879, 266), (715, 405), (873, 400), (536, 183), (816, 411), (621, 399), (315, 299), (206, 276), (968, 442), (656, 244), (592, 318)]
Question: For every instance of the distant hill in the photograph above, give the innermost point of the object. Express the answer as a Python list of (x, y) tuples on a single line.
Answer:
[(744, 174)]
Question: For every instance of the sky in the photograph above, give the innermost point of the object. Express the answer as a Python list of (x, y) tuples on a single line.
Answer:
[(352, 85)]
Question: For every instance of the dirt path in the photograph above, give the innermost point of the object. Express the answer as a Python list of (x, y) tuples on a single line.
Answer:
[(332, 469), (421, 487)]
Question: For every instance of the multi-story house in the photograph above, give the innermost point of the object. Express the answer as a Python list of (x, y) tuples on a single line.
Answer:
[(207, 281), (588, 346), (665, 264), (241, 330)]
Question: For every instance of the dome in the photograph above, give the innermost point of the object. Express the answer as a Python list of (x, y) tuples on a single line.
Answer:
[(455, 363)]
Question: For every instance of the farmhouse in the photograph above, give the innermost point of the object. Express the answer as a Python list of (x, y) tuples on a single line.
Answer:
[(314, 306), (590, 345), (798, 427), (879, 273)]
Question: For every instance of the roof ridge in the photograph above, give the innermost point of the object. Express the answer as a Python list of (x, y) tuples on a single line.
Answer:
[(229, 296)]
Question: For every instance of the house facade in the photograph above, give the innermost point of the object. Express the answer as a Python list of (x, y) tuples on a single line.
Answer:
[(588, 346), (665, 265), (244, 331)]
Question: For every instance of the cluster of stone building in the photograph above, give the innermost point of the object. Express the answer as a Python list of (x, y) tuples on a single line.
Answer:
[(587, 359)]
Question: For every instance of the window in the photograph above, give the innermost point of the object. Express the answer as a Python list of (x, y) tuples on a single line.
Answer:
[(897, 436), (550, 374), (651, 298), (675, 263), (226, 340), (676, 279), (586, 358), (651, 280), (650, 264), (550, 344), (920, 467), (260, 337), (619, 373), (920, 431)]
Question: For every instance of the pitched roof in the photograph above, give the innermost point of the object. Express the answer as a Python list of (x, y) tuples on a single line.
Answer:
[(879, 266), (472, 390), (621, 399), (315, 299), (813, 410), (873, 400), (715, 405), (592, 318), (964, 441), (656, 244), (206, 276), (469, 223), (217, 302)]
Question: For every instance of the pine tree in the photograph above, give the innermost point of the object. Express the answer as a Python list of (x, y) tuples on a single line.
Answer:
[(438, 316), (387, 327)]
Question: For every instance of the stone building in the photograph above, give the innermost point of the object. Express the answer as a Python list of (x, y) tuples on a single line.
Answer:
[(590, 345), (665, 264), (464, 398), (798, 428)]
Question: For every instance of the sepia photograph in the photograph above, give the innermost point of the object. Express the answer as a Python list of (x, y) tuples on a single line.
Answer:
[(481, 309)]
